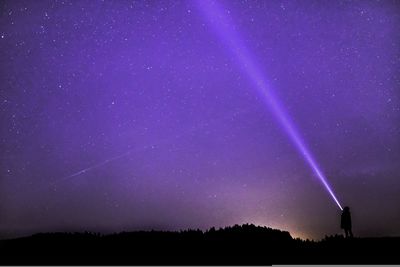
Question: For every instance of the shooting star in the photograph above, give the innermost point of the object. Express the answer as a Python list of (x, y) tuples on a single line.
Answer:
[(153, 145)]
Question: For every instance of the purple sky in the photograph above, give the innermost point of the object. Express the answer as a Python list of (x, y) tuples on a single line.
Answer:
[(125, 115)]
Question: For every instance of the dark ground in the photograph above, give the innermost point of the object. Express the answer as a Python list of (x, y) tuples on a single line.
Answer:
[(237, 245)]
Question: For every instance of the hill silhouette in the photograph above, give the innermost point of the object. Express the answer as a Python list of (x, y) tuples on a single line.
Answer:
[(237, 245)]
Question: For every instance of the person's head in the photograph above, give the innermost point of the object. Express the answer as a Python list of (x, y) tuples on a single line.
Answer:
[(346, 209)]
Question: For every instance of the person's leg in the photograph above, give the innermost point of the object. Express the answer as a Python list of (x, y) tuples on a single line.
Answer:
[(350, 232), (346, 233)]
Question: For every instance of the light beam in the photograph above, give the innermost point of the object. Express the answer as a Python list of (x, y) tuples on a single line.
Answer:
[(225, 29)]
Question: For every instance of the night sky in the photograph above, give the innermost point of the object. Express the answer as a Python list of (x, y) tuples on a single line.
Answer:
[(128, 115)]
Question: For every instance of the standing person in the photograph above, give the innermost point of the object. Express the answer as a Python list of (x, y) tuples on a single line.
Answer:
[(345, 222)]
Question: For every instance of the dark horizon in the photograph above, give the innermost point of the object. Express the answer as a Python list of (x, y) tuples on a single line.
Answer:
[(340, 234), (237, 245), (121, 115)]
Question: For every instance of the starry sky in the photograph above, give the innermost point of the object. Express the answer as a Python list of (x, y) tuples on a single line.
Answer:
[(128, 115)]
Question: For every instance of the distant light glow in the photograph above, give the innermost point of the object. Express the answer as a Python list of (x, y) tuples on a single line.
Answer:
[(225, 29)]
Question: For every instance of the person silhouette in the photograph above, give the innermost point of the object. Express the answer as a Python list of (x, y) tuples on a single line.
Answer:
[(345, 223)]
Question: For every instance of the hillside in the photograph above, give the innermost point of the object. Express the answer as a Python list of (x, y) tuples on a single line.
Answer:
[(237, 245)]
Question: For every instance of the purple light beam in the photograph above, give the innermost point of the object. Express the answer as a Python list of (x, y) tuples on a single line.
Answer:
[(225, 29)]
